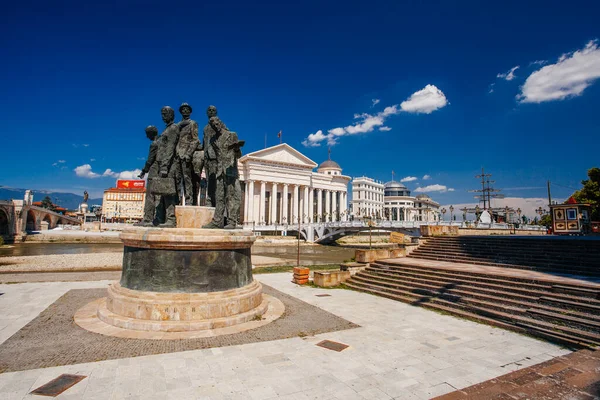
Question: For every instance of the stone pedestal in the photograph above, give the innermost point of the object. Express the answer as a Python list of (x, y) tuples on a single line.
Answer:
[(193, 216), (178, 280)]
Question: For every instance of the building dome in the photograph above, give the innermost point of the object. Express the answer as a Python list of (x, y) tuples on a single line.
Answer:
[(394, 185), (393, 188), (423, 197), (329, 164)]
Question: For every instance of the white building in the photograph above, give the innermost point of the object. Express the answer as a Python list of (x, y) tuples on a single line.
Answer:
[(398, 203), (367, 198), (391, 201), (279, 186), (426, 209)]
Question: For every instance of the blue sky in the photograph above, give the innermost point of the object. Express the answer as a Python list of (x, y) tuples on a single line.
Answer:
[(81, 81)]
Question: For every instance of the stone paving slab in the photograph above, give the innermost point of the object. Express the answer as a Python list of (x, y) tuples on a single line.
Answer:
[(399, 352)]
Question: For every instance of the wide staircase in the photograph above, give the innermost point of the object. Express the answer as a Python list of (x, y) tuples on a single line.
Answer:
[(574, 256), (559, 309)]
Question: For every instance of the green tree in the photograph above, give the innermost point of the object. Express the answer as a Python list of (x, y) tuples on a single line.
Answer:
[(47, 203), (546, 220), (590, 193)]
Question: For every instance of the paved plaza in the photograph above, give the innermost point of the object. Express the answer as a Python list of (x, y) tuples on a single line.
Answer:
[(398, 352)]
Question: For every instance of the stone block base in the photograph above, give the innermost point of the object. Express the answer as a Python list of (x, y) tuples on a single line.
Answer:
[(193, 217), (301, 275), (330, 278), (175, 312), (368, 256)]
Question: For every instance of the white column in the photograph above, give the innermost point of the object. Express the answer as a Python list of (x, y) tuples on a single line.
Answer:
[(305, 205), (334, 206), (320, 205), (261, 204), (311, 204), (328, 205), (344, 205), (274, 218), (245, 202), (295, 202), (250, 201), (284, 205)]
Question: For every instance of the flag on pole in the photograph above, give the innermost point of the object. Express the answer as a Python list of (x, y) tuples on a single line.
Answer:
[(279, 136)]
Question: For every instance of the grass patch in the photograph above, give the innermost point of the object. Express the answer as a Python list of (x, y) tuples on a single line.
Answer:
[(289, 268)]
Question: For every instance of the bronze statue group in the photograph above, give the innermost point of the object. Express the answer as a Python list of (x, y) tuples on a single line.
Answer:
[(175, 163)]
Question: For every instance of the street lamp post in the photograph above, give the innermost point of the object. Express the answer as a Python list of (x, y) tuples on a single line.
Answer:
[(451, 208), (443, 210)]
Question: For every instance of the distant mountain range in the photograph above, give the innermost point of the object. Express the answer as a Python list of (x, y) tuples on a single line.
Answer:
[(69, 201)]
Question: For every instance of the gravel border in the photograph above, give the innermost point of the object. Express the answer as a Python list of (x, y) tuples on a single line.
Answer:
[(53, 338)]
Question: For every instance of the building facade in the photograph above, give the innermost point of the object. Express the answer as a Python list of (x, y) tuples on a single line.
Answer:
[(399, 205), (367, 197), (391, 201), (426, 209), (279, 186), (123, 205)]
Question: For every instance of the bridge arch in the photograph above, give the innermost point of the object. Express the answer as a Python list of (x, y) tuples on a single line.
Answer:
[(31, 224), (48, 219), (4, 223)]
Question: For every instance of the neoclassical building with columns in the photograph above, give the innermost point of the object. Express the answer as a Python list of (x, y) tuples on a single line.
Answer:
[(279, 186)]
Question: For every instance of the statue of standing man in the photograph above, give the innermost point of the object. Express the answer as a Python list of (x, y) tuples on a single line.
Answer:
[(186, 146), (150, 168), (165, 184), (222, 151)]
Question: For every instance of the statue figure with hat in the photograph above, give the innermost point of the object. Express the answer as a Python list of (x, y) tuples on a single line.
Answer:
[(150, 168), (224, 146), (186, 146), (164, 185)]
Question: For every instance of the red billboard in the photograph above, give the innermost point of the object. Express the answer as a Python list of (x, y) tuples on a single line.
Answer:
[(131, 184)]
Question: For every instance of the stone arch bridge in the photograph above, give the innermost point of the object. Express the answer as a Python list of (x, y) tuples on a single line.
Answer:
[(17, 218)]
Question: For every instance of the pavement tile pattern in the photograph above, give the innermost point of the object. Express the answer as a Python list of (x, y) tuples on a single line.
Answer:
[(54, 339), (398, 352), (575, 376)]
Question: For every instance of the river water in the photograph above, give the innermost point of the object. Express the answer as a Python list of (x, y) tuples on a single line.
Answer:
[(308, 254)]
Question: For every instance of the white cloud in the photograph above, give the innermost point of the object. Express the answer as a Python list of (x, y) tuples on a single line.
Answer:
[(433, 188), (314, 139), (425, 101), (85, 171), (510, 75), (408, 179), (61, 161), (538, 62), (86, 145), (55, 164), (92, 159), (568, 77), (426, 177), (375, 102), (123, 174)]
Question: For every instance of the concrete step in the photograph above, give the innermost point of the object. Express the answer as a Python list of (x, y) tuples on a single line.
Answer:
[(464, 280), (572, 271), (573, 338), (541, 257), (495, 300)]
